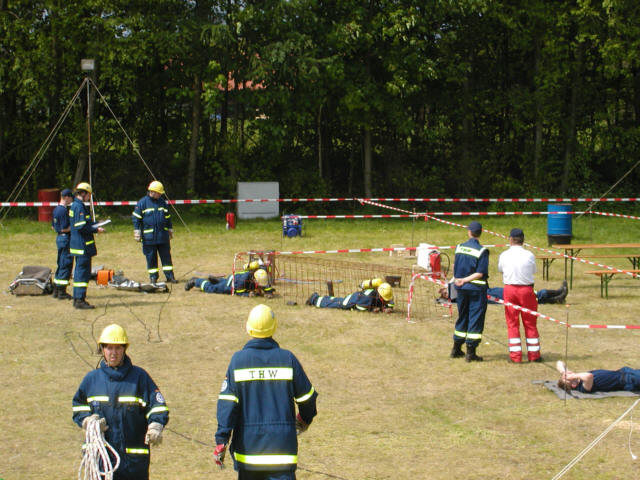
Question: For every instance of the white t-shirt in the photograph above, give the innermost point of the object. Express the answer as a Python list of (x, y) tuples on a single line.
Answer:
[(517, 265)]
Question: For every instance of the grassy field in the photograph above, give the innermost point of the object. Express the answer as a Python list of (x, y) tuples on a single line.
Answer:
[(392, 404)]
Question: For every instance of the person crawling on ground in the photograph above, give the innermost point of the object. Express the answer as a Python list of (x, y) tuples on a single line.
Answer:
[(246, 283), (625, 378), (544, 295), (374, 295)]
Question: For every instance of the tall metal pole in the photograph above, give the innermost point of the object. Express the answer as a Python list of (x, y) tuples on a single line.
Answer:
[(88, 66), (93, 213)]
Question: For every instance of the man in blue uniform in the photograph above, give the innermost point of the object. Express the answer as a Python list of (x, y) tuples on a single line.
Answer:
[(245, 283), (82, 244), (257, 404), (60, 223), (544, 296), (625, 378), (376, 299), (471, 272), (152, 225), (125, 400)]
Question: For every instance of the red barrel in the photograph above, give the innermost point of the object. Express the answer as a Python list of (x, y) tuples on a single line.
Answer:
[(45, 214), (231, 220)]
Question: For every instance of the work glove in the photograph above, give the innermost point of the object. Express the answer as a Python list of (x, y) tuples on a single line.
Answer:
[(137, 235), (153, 436), (218, 454), (95, 418), (301, 425), (170, 233)]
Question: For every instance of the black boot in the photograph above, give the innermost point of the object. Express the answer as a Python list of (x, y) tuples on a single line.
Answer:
[(456, 351), (62, 294), (81, 304), (190, 284), (171, 279), (471, 354), (55, 291), (565, 291)]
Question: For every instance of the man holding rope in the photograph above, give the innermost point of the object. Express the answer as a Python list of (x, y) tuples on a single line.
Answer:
[(127, 405)]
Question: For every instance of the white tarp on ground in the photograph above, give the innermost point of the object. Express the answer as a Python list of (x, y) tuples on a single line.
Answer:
[(258, 190)]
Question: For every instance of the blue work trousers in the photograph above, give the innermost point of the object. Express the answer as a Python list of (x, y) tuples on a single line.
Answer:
[(65, 263), (472, 307), (151, 253), (258, 475), (81, 276), (631, 379), (326, 301), (223, 285)]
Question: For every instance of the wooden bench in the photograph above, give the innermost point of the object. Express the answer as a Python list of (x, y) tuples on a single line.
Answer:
[(574, 251), (605, 278)]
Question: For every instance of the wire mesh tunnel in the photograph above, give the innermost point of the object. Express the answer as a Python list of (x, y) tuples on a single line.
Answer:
[(296, 277)]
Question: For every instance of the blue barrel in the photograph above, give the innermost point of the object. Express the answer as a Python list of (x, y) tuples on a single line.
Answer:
[(559, 224)]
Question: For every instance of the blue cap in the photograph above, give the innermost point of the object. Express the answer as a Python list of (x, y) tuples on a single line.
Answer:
[(475, 227), (516, 233), (66, 193)]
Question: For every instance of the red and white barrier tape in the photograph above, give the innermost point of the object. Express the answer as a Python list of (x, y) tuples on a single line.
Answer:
[(547, 250), (471, 214), (341, 199), (517, 307), (353, 250)]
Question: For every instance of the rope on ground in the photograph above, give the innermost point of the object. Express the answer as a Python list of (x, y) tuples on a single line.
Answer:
[(97, 454), (593, 443)]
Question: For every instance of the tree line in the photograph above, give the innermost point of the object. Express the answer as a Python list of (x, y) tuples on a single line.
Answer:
[(341, 98)]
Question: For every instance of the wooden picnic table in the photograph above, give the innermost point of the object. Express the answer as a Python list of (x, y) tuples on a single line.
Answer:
[(574, 249)]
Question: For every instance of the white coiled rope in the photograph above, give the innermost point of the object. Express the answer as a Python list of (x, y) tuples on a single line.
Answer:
[(96, 453)]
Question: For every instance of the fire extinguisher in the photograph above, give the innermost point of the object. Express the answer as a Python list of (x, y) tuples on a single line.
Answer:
[(435, 262), (231, 220)]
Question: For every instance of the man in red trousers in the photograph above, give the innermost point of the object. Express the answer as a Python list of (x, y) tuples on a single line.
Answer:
[(518, 267)]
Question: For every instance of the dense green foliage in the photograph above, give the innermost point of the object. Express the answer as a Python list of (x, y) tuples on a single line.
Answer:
[(342, 97)]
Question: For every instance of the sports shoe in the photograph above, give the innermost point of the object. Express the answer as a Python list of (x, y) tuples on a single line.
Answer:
[(190, 284)]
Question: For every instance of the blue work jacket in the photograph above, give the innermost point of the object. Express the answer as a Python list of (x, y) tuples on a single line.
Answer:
[(471, 257), (82, 242), (366, 300), (59, 222), (152, 218), (129, 400), (257, 403)]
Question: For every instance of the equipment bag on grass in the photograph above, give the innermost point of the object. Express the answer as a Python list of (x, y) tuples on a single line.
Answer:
[(32, 280)]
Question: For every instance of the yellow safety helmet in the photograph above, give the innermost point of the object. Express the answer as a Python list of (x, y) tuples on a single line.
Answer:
[(156, 186), (251, 265), (84, 186), (385, 292), (372, 283), (261, 277), (261, 322), (113, 334)]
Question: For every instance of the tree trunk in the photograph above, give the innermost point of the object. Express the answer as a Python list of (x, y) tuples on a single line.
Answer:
[(537, 148), (319, 129), (367, 162), (570, 143), (196, 113)]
